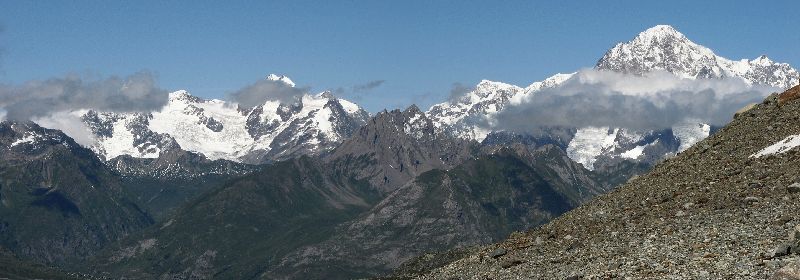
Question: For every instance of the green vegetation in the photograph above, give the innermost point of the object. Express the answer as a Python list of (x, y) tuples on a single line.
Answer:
[(245, 226), (13, 268), (63, 206)]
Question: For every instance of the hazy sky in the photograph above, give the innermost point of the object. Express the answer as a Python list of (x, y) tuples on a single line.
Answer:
[(384, 54)]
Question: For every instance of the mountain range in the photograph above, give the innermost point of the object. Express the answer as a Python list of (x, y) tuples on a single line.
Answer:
[(313, 186), (313, 124)]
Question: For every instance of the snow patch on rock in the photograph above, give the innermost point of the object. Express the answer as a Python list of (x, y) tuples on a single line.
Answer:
[(779, 147)]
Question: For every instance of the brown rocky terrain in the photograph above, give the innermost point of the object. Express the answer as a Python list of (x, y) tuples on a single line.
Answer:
[(789, 95)]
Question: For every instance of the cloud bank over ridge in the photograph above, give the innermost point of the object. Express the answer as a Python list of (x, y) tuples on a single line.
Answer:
[(51, 102), (654, 101), (38, 98)]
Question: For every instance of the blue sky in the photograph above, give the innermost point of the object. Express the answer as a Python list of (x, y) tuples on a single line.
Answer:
[(420, 48)]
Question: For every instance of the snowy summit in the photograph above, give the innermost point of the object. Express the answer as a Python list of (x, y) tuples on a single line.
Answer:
[(312, 124)]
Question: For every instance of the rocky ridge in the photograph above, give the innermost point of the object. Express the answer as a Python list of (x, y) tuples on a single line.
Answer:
[(396, 146), (478, 201), (175, 165)]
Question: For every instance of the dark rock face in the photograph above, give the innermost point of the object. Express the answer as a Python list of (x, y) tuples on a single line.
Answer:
[(610, 170), (101, 124), (286, 111), (176, 164), (24, 141), (202, 119), (144, 139), (394, 147), (255, 127), (212, 124), (657, 145), (58, 203), (558, 136), (258, 128)]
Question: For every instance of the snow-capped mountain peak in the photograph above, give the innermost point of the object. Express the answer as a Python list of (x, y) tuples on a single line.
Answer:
[(664, 48), (27, 138), (467, 116), (459, 117), (762, 60), (659, 48), (487, 87), (182, 95), (218, 129), (281, 78), (550, 82), (178, 94), (659, 32)]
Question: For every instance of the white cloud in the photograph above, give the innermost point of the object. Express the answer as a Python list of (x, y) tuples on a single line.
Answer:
[(605, 98), (70, 123), (137, 92), (263, 90)]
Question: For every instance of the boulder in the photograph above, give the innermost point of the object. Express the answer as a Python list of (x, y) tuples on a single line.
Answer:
[(499, 252), (793, 188), (781, 250)]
